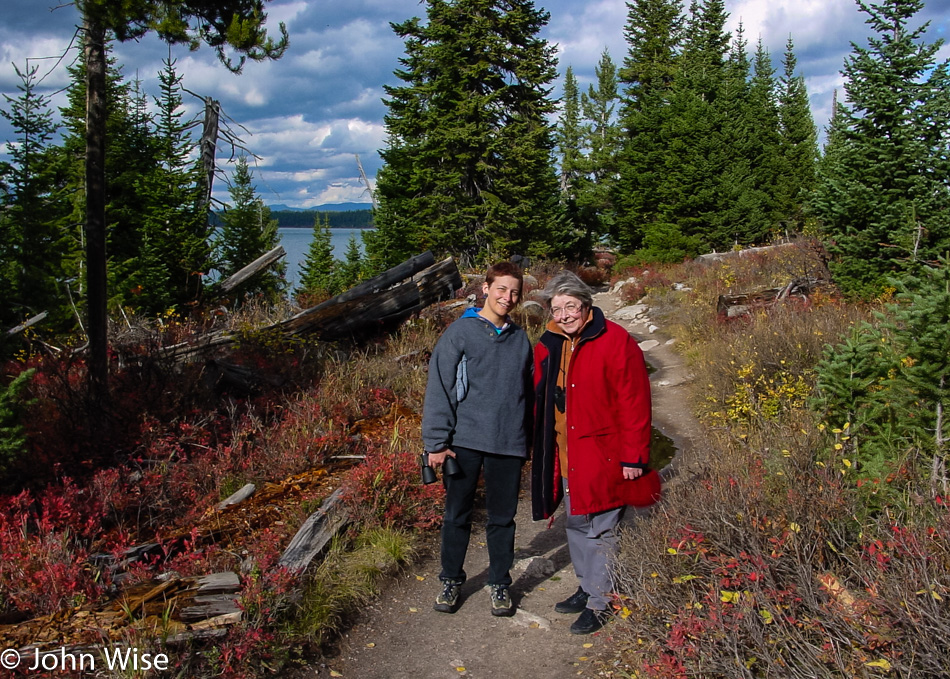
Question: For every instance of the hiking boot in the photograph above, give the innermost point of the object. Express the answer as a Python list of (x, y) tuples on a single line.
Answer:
[(590, 621), (448, 599), (501, 601), (575, 603)]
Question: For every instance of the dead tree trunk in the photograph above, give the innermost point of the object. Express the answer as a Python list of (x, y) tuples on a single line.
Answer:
[(374, 305), (209, 143), (252, 269)]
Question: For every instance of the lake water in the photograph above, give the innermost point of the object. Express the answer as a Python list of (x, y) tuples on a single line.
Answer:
[(296, 242)]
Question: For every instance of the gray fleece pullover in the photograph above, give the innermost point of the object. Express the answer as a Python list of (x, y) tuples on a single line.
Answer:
[(479, 388)]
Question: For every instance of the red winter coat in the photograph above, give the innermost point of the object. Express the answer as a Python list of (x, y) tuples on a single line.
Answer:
[(608, 422)]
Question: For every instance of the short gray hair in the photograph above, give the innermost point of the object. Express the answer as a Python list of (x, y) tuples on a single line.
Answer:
[(567, 283)]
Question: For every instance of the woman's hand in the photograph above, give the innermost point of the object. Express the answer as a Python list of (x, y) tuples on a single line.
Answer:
[(629, 473)]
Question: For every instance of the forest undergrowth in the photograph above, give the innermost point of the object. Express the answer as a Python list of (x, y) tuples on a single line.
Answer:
[(805, 538), (809, 535), (181, 438)]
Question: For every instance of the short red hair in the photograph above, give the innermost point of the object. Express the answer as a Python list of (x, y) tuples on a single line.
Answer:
[(504, 269)]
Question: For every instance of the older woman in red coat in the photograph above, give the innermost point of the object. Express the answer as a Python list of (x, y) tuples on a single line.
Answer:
[(591, 437)]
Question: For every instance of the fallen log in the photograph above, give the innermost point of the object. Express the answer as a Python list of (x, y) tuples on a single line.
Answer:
[(348, 316), (375, 304), (240, 496), (713, 257), (315, 534), (742, 303), (249, 271), (211, 606), (388, 278), (26, 324)]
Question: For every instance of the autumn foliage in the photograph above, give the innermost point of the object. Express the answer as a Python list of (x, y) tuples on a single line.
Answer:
[(779, 552)]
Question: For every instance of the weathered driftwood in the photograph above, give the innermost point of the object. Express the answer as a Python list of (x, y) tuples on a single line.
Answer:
[(212, 606), (216, 583), (740, 304), (732, 254), (258, 265), (189, 351), (315, 534), (388, 278), (210, 602), (26, 324), (437, 283), (239, 496), (133, 605), (372, 305)]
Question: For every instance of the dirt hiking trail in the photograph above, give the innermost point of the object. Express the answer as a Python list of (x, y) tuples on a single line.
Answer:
[(400, 636)]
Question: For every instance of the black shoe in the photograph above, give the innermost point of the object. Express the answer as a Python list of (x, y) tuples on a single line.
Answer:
[(501, 601), (590, 621), (448, 600), (575, 603)]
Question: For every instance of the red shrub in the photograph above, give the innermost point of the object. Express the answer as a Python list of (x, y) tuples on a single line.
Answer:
[(386, 489), (44, 561), (643, 281)]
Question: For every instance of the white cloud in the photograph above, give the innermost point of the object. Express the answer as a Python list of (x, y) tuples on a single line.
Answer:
[(340, 192), (308, 114), (583, 30), (286, 12), (809, 22), (49, 54)]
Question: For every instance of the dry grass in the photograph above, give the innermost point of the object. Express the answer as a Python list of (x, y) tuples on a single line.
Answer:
[(348, 578), (772, 560)]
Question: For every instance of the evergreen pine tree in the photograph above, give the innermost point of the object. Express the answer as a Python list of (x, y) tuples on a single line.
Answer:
[(468, 159), (889, 384), (31, 211), (798, 144), (602, 138), (132, 154), (12, 417), (570, 147), (175, 242), (883, 197), (318, 271), (921, 324), (568, 136), (349, 272), (749, 152), (653, 32), (734, 133), (247, 232), (696, 156)]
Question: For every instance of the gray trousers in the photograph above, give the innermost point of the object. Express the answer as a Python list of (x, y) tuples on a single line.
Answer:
[(592, 541)]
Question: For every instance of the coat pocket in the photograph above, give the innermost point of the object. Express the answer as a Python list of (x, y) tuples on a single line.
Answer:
[(604, 442)]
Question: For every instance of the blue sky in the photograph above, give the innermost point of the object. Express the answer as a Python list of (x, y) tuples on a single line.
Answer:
[(308, 115)]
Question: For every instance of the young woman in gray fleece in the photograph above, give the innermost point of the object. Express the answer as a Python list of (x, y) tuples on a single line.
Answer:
[(477, 410)]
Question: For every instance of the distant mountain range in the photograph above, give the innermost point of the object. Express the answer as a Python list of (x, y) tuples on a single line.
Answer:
[(330, 207)]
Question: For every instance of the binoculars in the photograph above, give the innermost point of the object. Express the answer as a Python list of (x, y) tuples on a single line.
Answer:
[(450, 468)]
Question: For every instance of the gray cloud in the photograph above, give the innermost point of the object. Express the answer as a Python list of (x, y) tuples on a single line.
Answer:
[(309, 114)]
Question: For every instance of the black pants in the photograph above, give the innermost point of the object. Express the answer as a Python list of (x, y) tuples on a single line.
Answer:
[(502, 480)]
